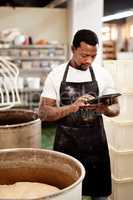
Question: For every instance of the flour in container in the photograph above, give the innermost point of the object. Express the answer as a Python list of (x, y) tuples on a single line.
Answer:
[(26, 190)]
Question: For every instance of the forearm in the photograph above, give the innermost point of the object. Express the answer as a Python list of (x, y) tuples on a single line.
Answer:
[(112, 111), (51, 113)]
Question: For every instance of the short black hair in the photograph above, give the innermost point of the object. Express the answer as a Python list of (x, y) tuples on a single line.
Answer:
[(84, 35)]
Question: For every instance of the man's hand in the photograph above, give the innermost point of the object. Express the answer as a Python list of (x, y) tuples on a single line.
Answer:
[(108, 110), (82, 102)]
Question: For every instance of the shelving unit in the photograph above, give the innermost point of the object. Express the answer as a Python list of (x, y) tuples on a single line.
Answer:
[(34, 63), (109, 50)]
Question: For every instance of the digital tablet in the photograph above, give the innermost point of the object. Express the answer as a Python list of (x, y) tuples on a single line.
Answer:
[(106, 99)]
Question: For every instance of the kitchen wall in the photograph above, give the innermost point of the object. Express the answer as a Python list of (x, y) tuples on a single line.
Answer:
[(39, 22)]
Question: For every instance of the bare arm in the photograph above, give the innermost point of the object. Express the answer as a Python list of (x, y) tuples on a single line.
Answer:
[(110, 111), (48, 111)]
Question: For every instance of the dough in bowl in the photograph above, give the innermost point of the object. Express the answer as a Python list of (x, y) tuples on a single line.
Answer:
[(26, 190)]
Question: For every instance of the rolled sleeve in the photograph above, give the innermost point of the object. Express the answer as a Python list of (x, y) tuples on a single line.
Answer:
[(49, 89)]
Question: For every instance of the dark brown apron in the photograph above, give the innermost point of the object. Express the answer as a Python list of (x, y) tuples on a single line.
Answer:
[(82, 136)]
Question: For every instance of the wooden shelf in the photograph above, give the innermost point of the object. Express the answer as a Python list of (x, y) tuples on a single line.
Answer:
[(46, 58), (34, 61), (109, 50)]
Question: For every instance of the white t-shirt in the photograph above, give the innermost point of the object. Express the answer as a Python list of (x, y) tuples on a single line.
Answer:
[(52, 83)]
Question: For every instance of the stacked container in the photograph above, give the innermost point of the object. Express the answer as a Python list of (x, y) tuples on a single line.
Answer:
[(119, 131)]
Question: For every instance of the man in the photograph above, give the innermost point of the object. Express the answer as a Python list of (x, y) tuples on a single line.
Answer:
[(80, 130)]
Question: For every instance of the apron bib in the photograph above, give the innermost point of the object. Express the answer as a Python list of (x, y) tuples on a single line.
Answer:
[(82, 136)]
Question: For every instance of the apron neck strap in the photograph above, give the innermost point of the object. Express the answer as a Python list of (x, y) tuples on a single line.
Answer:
[(92, 73), (66, 71)]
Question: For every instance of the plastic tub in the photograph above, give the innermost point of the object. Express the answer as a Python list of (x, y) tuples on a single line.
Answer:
[(121, 163), (122, 189), (121, 71), (126, 107), (119, 133)]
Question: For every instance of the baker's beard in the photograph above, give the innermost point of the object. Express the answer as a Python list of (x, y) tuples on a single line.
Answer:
[(82, 67)]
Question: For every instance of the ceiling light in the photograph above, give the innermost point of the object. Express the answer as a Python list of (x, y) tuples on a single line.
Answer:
[(116, 16)]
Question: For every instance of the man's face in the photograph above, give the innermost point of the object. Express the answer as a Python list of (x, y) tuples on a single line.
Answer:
[(84, 55)]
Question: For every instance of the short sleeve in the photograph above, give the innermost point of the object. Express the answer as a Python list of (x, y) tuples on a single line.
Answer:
[(49, 88)]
